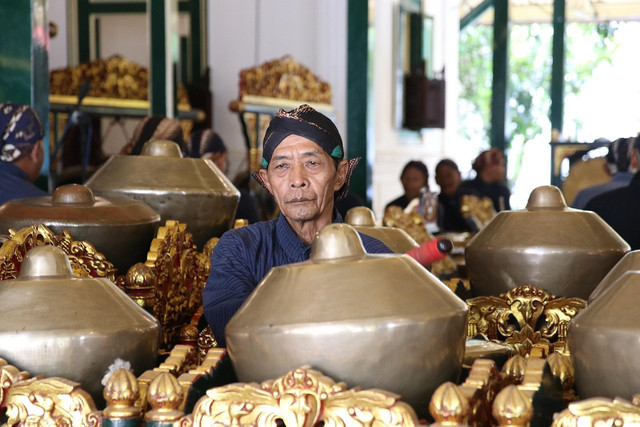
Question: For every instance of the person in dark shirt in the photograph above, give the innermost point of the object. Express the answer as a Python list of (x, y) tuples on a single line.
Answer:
[(617, 166), (21, 152), (414, 177), (207, 144), (449, 200), (620, 208), (304, 170), (490, 174)]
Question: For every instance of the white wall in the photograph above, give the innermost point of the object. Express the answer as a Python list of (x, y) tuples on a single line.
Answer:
[(246, 33), (394, 147)]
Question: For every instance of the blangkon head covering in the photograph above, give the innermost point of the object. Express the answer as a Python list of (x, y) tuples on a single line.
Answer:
[(20, 131), (313, 125)]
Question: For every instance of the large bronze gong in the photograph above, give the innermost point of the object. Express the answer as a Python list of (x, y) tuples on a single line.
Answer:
[(53, 323), (192, 191), (378, 321), (120, 228), (561, 250)]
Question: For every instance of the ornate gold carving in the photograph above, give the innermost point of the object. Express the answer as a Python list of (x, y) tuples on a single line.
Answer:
[(284, 78), (50, 402), (598, 411), (449, 405), (206, 341), (85, 260), (140, 284), (562, 368), (513, 369), (479, 211), (9, 375), (480, 387), (121, 394), (302, 397), (208, 247), (180, 272), (512, 407), (165, 395), (513, 317), (113, 78)]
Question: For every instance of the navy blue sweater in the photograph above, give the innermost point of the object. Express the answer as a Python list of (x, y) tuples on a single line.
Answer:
[(244, 256), (15, 184)]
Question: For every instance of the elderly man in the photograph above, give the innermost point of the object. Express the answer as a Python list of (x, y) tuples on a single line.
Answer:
[(303, 169), (22, 154)]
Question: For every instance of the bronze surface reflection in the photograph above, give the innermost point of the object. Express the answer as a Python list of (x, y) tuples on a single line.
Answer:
[(120, 228), (55, 324), (192, 191), (378, 321)]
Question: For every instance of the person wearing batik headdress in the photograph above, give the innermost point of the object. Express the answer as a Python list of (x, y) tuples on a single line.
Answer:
[(22, 153), (154, 128), (304, 169)]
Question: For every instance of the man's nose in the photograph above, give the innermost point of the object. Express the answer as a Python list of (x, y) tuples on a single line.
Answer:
[(298, 177)]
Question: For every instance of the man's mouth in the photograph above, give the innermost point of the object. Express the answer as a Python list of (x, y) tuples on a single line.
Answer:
[(299, 200)]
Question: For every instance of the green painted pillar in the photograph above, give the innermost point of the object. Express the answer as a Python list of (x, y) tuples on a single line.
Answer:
[(358, 22), (24, 59), (158, 70), (500, 74), (557, 67)]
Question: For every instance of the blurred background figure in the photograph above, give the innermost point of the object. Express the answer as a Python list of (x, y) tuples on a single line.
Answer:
[(620, 208), (22, 153), (151, 129), (414, 177), (489, 181), (617, 166), (206, 144), (449, 200)]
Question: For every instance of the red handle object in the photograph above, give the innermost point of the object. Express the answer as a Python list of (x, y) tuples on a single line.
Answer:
[(432, 251)]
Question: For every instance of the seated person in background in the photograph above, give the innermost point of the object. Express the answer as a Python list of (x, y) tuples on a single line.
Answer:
[(414, 177), (618, 162), (620, 208), (449, 200), (151, 129), (304, 170), (490, 174), (21, 154), (207, 144)]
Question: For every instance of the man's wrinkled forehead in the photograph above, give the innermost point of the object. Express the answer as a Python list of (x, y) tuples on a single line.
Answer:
[(304, 148)]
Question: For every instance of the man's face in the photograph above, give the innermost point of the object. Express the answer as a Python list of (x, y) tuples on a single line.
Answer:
[(412, 181), (302, 178), (448, 179)]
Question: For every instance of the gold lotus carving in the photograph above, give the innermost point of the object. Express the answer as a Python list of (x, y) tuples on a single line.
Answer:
[(302, 397)]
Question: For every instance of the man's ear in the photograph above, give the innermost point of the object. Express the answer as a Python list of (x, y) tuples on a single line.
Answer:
[(341, 172), (265, 179)]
